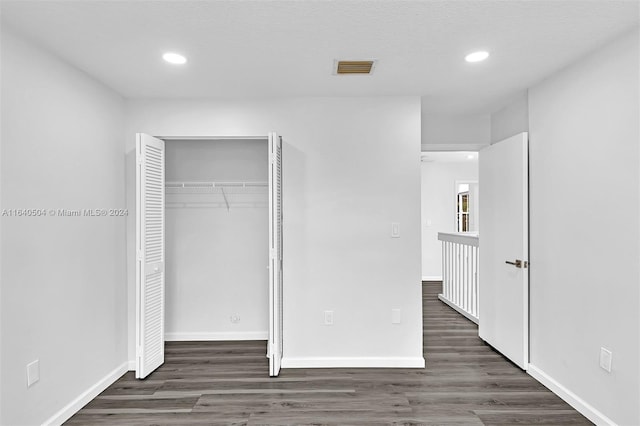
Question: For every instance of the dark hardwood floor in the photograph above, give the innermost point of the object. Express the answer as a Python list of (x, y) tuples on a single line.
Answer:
[(207, 383)]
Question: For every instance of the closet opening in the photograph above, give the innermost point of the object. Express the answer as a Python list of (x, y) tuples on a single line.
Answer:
[(209, 226)]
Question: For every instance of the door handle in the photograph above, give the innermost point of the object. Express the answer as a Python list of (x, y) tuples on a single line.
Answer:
[(518, 263)]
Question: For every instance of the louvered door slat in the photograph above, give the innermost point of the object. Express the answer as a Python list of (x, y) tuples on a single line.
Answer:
[(150, 270)]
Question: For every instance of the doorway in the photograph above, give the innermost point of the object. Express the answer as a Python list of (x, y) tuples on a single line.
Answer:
[(449, 200), (488, 281), (209, 243)]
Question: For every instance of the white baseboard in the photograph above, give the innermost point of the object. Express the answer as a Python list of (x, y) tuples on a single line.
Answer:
[(217, 336), (132, 365), (432, 278), (569, 397), (353, 362), (74, 406)]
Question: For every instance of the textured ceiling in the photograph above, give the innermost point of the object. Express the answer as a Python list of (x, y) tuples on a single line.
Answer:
[(287, 48)]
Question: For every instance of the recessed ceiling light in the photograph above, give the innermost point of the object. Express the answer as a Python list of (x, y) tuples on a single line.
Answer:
[(470, 156), (174, 58), (477, 56)]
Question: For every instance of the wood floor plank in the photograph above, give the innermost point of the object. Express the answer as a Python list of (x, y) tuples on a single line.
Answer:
[(162, 419), (532, 417), (465, 382), (149, 404)]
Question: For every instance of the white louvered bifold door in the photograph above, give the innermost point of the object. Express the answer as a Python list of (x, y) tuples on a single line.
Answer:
[(150, 254), (275, 254)]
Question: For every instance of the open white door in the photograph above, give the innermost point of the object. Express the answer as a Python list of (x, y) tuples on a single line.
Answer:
[(150, 254), (275, 254), (504, 248)]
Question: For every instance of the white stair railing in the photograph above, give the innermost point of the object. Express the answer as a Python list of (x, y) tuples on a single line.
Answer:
[(460, 273)]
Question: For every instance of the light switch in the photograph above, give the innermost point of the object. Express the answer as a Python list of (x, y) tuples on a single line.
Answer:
[(328, 317), (395, 230)]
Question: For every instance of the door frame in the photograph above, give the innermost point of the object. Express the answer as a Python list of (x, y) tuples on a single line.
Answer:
[(431, 148), (167, 138)]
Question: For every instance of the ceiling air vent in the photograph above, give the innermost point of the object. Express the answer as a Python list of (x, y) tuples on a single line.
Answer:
[(354, 67)]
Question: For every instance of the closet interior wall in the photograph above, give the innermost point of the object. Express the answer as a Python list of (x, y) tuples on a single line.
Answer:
[(216, 240)]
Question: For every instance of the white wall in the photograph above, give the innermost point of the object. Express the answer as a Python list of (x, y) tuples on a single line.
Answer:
[(439, 208), (63, 278), (351, 167), (584, 180), (469, 131), (216, 257), (511, 120)]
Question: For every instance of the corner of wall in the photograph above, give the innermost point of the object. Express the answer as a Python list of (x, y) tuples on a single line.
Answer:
[(66, 412), (511, 119)]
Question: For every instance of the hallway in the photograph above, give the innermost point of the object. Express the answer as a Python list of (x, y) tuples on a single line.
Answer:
[(206, 383)]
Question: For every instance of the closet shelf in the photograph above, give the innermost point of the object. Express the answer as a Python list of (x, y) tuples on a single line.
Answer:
[(215, 187), (207, 194)]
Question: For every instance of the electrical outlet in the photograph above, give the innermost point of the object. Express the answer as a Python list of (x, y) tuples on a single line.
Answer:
[(328, 317), (235, 318), (605, 359), (33, 372), (395, 230), (396, 316)]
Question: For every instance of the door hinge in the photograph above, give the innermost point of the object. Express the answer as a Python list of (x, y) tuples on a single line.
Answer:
[(139, 159), (139, 254)]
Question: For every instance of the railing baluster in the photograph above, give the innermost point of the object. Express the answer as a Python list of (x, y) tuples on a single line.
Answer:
[(465, 290), (450, 269), (472, 276), (445, 265), (459, 270), (465, 273), (474, 283), (458, 286), (468, 263), (470, 266), (442, 262), (455, 273), (456, 264)]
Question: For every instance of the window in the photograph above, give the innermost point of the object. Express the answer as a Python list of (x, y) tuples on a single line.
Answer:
[(463, 210)]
